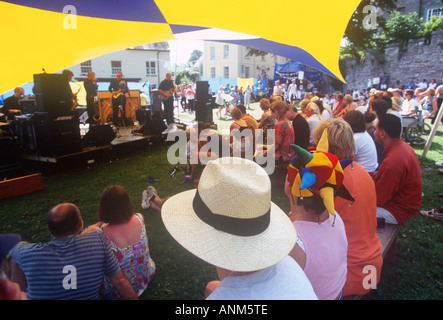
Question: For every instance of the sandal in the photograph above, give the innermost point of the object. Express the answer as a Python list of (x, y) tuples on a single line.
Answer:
[(433, 214)]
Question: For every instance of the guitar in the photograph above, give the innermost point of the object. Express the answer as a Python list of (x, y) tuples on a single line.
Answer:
[(166, 94)]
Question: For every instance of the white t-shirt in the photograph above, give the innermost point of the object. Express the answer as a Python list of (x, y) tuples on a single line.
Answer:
[(407, 106), (313, 121), (292, 90), (282, 281), (365, 151)]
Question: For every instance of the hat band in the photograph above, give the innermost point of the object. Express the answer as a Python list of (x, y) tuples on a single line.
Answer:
[(235, 226)]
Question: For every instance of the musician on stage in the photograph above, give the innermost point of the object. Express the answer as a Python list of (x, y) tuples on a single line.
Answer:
[(118, 88), (166, 88), (12, 103), (73, 97), (91, 87)]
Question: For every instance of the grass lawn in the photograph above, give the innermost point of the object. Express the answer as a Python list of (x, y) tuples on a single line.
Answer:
[(417, 273)]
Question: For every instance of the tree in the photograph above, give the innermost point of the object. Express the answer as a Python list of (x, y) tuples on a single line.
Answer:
[(185, 76), (400, 28), (255, 52), (358, 36), (431, 26), (195, 55)]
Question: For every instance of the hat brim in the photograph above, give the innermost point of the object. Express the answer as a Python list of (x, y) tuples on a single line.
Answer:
[(221, 249)]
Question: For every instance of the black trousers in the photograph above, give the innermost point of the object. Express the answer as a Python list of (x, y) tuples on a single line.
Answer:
[(120, 101), (168, 106), (90, 109)]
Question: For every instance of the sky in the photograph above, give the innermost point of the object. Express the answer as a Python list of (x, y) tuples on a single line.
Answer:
[(181, 50)]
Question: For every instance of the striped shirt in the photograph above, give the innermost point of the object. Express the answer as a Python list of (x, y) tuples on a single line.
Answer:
[(70, 268)]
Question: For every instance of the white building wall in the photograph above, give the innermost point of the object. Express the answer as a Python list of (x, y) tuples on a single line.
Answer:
[(133, 65), (237, 62)]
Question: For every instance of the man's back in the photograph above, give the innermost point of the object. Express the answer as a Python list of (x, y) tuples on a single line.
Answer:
[(69, 268), (283, 281), (398, 182)]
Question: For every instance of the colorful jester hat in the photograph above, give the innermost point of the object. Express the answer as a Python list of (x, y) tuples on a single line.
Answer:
[(319, 173)]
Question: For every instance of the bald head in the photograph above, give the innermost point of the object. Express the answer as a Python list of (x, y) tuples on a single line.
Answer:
[(64, 220), (19, 92)]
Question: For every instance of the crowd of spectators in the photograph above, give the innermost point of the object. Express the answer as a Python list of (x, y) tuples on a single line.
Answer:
[(346, 165)]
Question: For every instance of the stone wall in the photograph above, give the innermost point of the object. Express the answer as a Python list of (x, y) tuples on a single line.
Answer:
[(419, 61)]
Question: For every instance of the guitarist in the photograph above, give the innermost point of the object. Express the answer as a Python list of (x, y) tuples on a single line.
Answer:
[(166, 88), (118, 88)]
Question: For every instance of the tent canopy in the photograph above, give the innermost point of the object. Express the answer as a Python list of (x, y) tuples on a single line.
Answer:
[(67, 32)]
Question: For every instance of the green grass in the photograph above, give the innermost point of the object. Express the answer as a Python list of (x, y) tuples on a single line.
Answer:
[(417, 273)]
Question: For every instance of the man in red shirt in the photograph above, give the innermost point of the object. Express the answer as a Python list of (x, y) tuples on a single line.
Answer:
[(398, 182)]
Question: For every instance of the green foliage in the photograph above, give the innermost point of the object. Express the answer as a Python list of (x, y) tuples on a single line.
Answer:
[(186, 76), (356, 34), (401, 28), (431, 26), (195, 55)]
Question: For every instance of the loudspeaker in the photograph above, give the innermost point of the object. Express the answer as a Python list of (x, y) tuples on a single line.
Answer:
[(24, 128), (99, 135), (156, 99), (202, 93), (203, 111), (58, 135), (52, 93)]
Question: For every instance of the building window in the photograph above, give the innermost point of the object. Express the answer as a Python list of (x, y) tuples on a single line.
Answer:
[(226, 51), (212, 72), (247, 72), (434, 12), (263, 58), (242, 69), (212, 53), (226, 72), (116, 66), (151, 68), (85, 67)]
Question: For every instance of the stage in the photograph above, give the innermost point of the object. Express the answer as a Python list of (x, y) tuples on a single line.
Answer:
[(125, 143)]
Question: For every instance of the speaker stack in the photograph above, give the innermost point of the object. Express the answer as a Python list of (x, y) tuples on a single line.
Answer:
[(204, 102), (56, 136), (52, 93), (50, 128)]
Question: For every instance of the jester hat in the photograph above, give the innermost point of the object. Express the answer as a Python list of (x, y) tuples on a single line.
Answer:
[(319, 173)]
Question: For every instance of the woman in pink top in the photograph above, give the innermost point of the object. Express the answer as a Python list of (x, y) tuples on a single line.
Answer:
[(321, 247), (126, 234)]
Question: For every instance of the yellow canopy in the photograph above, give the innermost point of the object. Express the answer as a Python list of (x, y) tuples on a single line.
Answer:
[(50, 35)]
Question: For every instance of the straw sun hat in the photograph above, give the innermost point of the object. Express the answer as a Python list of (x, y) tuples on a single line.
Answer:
[(230, 221)]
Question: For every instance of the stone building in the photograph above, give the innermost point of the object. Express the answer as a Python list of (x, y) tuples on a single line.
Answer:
[(420, 60)]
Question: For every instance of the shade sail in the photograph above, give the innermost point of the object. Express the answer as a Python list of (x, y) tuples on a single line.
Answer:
[(46, 34)]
